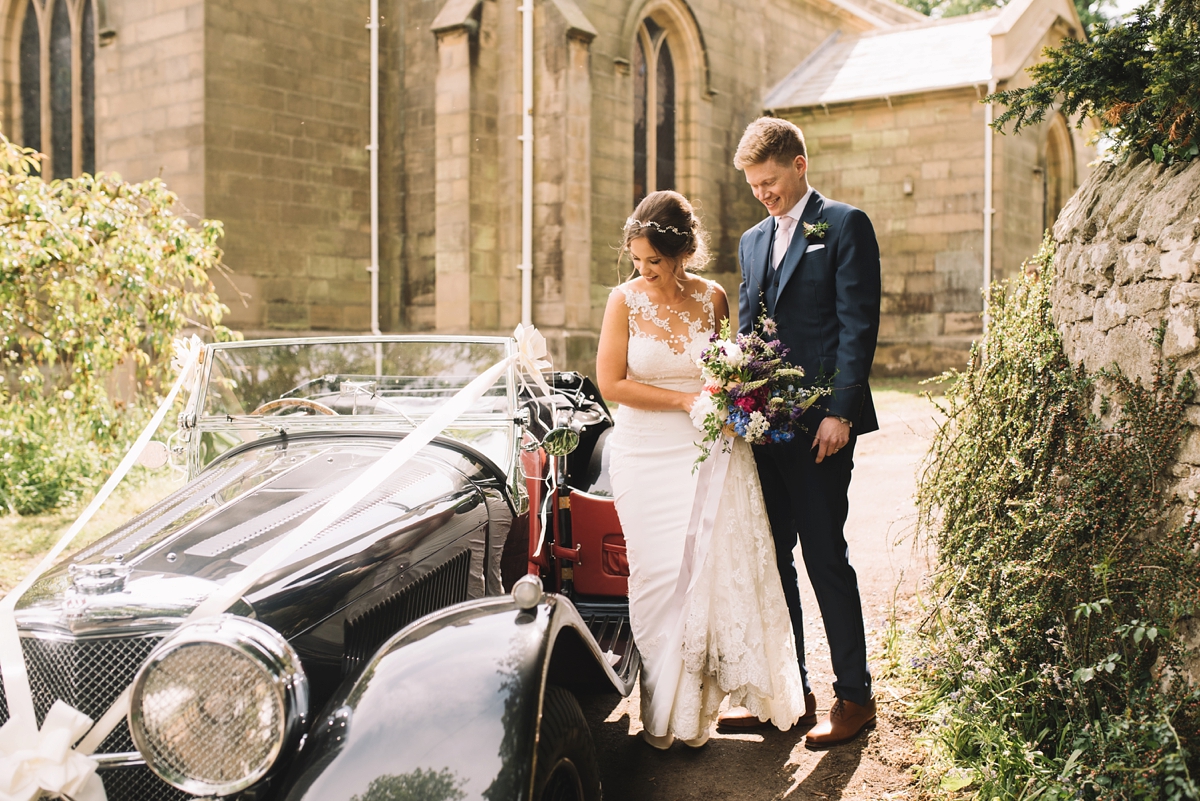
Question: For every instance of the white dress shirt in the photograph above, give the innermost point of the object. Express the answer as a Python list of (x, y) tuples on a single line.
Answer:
[(785, 231)]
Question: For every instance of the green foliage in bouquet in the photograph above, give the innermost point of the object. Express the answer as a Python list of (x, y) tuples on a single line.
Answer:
[(1141, 78), (1055, 666), (97, 276)]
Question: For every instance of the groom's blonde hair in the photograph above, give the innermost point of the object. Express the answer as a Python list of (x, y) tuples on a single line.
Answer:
[(769, 138)]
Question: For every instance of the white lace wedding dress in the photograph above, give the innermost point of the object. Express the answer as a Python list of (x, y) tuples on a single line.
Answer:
[(730, 634)]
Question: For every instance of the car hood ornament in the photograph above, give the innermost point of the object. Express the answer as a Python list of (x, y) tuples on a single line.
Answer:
[(99, 579)]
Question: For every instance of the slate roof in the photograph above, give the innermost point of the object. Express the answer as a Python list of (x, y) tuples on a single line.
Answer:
[(926, 56)]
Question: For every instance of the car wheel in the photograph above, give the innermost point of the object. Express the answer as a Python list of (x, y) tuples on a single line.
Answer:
[(566, 758)]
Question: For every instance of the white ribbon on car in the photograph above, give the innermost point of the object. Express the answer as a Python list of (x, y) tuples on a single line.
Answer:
[(529, 358), (29, 755), (668, 671)]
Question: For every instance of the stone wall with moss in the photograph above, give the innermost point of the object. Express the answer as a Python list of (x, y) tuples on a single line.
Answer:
[(1127, 277)]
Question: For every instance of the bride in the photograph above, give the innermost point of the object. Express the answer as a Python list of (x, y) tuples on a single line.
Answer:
[(726, 632)]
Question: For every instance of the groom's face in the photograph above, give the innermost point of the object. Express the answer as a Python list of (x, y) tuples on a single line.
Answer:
[(778, 186)]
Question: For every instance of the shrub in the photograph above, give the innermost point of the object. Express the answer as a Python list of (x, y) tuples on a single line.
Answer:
[(97, 276), (1056, 670), (1141, 78)]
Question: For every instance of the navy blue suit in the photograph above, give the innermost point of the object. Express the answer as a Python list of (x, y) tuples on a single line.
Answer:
[(825, 300)]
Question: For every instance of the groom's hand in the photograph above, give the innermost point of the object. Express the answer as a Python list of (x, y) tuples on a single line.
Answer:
[(832, 436)]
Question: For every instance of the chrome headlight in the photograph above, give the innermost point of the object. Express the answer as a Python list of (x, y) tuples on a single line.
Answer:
[(215, 704)]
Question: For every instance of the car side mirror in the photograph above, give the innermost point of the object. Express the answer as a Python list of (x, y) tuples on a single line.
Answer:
[(154, 455), (560, 441)]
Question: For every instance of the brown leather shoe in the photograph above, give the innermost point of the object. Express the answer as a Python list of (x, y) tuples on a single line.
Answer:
[(739, 717), (846, 720)]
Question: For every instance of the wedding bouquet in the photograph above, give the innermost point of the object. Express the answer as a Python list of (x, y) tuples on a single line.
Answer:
[(749, 390)]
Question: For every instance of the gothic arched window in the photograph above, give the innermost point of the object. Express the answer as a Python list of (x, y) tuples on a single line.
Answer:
[(57, 84), (1059, 173), (654, 111)]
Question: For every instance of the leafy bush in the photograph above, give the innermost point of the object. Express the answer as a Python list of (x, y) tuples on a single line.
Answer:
[(97, 276), (1141, 78), (1055, 669)]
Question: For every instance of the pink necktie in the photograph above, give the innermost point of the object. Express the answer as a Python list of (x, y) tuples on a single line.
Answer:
[(783, 238)]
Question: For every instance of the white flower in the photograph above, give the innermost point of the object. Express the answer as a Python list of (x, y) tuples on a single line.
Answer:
[(756, 427), (734, 356), (68, 395), (701, 409)]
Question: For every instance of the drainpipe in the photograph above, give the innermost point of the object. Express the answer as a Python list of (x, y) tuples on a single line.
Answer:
[(373, 26), (526, 137), (988, 210)]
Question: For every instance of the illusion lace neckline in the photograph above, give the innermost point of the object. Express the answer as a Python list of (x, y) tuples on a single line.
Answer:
[(643, 309)]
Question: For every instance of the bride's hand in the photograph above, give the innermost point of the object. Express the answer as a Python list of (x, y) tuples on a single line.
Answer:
[(687, 400)]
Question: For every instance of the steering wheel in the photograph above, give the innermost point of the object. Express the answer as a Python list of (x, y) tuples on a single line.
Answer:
[(311, 406)]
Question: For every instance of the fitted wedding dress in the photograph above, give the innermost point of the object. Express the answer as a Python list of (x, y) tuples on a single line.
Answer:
[(727, 631)]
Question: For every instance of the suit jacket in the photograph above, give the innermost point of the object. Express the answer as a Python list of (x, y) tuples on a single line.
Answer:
[(827, 306)]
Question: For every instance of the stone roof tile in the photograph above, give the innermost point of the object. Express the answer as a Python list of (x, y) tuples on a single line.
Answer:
[(923, 57)]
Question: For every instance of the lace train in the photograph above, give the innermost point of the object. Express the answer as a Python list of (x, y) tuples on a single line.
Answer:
[(737, 638)]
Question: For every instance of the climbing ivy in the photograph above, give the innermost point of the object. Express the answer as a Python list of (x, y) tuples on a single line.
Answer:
[(1055, 666)]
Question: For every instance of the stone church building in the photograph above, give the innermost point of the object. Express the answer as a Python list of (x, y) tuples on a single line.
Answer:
[(258, 114)]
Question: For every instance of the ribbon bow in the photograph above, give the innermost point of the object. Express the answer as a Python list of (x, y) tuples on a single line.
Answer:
[(47, 763), (531, 355), (188, 353)]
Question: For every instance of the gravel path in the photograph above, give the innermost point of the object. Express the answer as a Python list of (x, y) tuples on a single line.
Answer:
[(768, 764)]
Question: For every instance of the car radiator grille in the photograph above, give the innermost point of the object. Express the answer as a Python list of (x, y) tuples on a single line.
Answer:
[(448, 583), (89, 675)]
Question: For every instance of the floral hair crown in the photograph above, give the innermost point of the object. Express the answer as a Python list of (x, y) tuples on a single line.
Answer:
[(632, 224)]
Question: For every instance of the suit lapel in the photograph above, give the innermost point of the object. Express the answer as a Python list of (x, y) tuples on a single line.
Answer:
[(761, 255), (798, 245)]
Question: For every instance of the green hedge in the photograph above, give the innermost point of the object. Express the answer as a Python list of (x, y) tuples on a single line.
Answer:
[(97, 276), (1054, 669)]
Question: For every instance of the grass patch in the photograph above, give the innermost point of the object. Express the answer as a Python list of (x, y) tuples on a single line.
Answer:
[(24, 539)]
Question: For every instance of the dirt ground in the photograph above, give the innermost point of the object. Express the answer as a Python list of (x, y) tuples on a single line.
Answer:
[(768, 764)]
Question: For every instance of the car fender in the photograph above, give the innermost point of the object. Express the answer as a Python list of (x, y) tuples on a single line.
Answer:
[(450, 706)]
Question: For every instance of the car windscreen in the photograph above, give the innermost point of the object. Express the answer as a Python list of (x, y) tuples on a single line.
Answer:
[(406, 379)]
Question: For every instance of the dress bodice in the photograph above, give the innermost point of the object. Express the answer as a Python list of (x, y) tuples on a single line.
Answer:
[(664, 345)]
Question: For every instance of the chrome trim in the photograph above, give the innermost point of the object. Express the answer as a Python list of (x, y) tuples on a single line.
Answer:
[(125, 759), (254, 343), (255, 640), (34, 631)]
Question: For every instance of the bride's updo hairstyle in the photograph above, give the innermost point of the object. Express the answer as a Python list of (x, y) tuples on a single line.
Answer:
[(669, 223)]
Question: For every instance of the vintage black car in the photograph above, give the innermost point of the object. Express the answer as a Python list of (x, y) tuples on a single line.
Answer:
[(407, 648)]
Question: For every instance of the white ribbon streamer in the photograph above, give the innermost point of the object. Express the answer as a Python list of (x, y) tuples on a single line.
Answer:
[(710, 483), (529, 353), (21, 728)]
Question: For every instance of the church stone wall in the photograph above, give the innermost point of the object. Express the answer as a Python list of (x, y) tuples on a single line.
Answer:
[(286, 130), (150, 96), (915, 166)]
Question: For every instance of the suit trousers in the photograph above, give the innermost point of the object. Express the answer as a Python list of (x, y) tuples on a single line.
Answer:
[(809, 501)]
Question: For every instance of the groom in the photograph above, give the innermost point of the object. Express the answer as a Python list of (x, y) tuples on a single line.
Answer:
[(813, 266)]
